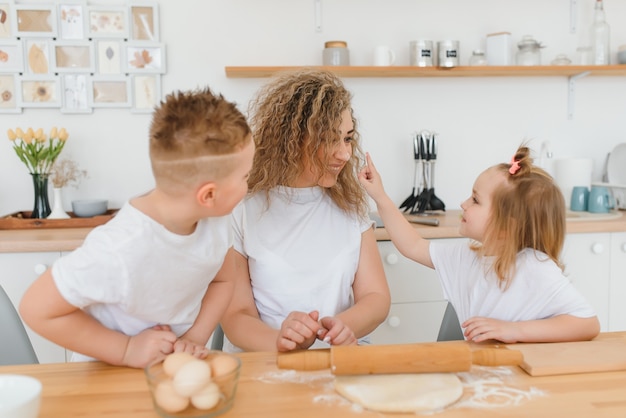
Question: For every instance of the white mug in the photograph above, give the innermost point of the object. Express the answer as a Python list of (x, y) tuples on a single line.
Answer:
[(384, 56)]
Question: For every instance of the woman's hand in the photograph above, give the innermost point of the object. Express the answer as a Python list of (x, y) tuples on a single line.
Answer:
[(298, 331), (338, 333)]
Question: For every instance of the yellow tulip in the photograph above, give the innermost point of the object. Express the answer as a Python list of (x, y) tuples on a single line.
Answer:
[(30, 132), (28, 136), (63, 134), (11, 135), (19, 133), (53, 132), (39, 135)]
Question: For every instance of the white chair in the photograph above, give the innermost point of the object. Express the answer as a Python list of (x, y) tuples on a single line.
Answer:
[(450, 329), (15, 347)]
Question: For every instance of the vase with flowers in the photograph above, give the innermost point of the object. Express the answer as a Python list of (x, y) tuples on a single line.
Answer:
[(65, 172), (38, 152)]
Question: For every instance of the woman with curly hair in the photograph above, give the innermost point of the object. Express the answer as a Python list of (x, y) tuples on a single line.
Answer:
[(309, 271)]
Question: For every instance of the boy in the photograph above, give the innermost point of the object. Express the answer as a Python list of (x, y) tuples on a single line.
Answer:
[(157, 277)]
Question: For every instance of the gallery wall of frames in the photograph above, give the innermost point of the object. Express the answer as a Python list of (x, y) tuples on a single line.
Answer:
[(78, 57)]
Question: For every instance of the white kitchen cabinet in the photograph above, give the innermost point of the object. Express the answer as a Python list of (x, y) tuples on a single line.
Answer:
[(417, 303), (587, 259), (617, 283), (17, 272)]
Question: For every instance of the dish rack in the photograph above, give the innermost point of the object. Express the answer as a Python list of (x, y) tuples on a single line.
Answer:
[(619, 194)]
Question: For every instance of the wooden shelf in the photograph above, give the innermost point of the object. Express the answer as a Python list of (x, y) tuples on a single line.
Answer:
[(412, 71)]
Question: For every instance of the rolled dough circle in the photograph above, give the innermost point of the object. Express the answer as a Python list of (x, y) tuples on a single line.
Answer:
[(401, 392)]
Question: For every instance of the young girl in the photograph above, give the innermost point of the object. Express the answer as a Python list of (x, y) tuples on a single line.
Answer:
[(508, 284)]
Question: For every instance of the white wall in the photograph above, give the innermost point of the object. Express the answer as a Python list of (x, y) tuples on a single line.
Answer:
[(480, 121)]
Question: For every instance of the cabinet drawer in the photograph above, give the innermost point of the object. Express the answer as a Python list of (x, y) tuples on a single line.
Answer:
[(410, 323)]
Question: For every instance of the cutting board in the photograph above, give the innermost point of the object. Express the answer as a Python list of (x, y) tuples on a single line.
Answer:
[(574, 357)]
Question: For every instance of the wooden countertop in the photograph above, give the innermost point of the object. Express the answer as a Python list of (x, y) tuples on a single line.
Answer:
[(98, 390), (42, 240)]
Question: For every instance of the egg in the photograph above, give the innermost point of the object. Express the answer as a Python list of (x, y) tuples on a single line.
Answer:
[(192, 377), (222, 365), (167, 398), (207, 397), (174, 361)]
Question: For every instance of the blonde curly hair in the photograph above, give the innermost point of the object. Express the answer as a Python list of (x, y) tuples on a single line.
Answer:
[(294, 116)]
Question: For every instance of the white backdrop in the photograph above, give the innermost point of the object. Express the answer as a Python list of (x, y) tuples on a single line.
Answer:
[(480, 121)]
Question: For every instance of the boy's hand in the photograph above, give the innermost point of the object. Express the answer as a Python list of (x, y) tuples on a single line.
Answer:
[(148, 346), (187, 346), (371, 180), (338, 333), (298, 331)]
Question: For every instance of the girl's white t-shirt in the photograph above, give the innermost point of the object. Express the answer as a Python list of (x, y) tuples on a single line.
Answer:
[(538, 290)]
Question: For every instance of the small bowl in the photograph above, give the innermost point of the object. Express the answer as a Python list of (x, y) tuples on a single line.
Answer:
[(20, 396), (89, 207), (166, 399)]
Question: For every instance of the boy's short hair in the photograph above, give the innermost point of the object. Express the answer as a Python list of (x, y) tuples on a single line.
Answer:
[(193, 136)]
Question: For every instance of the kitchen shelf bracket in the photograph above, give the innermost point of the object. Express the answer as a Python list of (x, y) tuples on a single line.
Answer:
[(572, 16), (571, 89)]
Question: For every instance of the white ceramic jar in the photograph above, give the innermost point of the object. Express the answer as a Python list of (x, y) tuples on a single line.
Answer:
[(336, 53)]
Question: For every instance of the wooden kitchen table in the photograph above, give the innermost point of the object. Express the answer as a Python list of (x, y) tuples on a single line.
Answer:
[(99, 390)]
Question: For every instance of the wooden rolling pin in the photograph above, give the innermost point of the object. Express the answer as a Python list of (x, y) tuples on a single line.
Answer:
[(441, 357)]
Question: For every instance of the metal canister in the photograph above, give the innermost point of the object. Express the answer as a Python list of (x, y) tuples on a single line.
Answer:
[(448, 53), (421, 53), (336, 53)]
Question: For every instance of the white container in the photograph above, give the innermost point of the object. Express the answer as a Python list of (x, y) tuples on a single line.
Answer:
[(336, 53), (570, 172), (421, 53), (499, 48), (20, 396), (448, 52)]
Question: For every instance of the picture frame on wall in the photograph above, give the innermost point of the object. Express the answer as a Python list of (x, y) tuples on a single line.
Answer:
[(72, 19), (9, 94), (11, 57), (143, 21), (39, 91), (113, 91), (107, 22), (145, 57), (75, 89), (37, 56), (109, 57), (6, 18), (146, 92), (73, 56), (35, 20)]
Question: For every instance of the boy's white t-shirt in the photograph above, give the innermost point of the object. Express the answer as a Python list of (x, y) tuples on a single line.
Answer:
[(303, 253), (132, 273), (538, 290)]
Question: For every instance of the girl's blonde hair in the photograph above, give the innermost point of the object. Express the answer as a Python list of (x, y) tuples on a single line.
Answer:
[(528, 211), (294, 116)]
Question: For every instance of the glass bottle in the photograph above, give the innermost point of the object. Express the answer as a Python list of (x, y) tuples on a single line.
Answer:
[(600, 35), (529, 52), (478, 58)]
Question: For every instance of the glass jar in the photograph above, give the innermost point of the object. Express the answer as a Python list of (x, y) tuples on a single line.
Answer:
[(478, 57), (336, 53), (529, 52)]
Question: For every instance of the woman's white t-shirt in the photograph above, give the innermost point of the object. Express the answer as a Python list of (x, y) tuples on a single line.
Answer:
[(303, 253)]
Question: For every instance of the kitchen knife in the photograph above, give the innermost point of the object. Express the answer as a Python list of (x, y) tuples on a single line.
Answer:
[(441, 357)]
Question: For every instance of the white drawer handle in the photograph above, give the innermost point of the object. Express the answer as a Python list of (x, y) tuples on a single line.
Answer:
[(393, 321), (40, 268), (392, 258), (597, 248)]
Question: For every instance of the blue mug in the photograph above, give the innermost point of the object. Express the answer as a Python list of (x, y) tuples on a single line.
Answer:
[(600, 200), (580, 199)]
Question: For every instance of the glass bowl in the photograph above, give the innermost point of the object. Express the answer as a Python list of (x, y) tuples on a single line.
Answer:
[(185, 390)]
